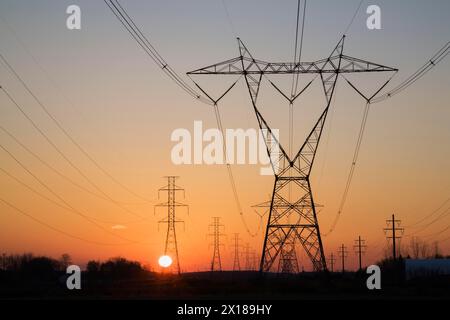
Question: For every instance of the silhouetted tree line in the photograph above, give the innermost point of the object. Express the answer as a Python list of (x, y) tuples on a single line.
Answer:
[(28, 267), (115, 269)]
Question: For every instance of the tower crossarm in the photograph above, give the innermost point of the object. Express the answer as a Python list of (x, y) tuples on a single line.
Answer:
[(257, 67)]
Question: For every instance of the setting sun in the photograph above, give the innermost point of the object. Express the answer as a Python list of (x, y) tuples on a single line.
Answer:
[(165, 261)]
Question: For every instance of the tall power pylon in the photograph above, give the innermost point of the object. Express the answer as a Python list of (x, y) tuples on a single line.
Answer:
[(236, 261), (360, 246), (395, 229), (171, 246), (216, 262), (291, 217)]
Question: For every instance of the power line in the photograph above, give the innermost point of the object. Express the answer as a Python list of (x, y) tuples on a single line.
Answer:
[(429, 215), (54, 119), (295, 77), (142, 40), (77, 212), (419, 73), (227, 13), (62, 154), (440, 55), (357, 148), (22, 212), (442, 215), (60, 127), (149, 49), (53, 169), (437, 233), (353, 17), (218, 117), (231, 176), (352, 168), (373, 99), (40, 194)]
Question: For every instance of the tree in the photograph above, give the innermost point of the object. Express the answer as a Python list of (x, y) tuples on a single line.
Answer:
[(93, 267), (419, 248), (65, 261)]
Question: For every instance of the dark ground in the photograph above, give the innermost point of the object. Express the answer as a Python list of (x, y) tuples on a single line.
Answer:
[(224, 285)]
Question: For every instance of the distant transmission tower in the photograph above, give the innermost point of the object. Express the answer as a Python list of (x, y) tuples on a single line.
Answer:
[(360, 246), (288, 262), (171, 246), (396, 232), (216, 263), (332, 261), (292, 212), (247, 252), (236, 262), (343, 253), (253, 260)]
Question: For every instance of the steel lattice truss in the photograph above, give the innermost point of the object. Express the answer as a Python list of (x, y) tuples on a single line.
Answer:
[(171, 246), (292, 221)]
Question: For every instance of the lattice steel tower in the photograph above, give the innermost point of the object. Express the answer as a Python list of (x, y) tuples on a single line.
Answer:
[(291, 219), (288, 262), (171, 246), (236, 261), (216, 262)]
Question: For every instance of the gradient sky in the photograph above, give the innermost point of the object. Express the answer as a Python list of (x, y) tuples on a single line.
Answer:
[(117, 103)]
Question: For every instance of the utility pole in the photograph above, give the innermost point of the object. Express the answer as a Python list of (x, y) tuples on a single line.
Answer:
[(343, 255), (216, 262), (236, 262), (395, 229), (171, 246), (332, 261), (292, 214), (359, 249)]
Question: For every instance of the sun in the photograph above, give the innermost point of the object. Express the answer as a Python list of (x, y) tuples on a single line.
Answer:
[(165, 261)]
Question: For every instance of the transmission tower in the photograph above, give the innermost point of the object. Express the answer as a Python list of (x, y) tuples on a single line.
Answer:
[(254, 260), (216, 262), (343, 253), (332, 261), (291, 217), (288, 262), (247, 257), (360, 246), (171, 246), (395, 229), (236, 262)]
